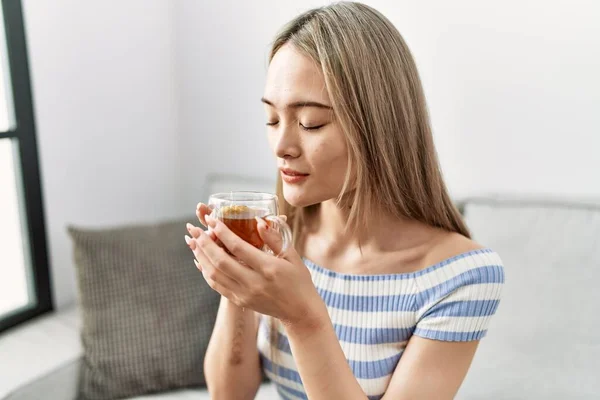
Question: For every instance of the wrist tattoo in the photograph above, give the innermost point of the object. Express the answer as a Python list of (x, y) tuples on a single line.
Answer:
[(238, 340)]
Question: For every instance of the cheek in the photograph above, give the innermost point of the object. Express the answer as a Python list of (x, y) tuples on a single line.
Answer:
[(331, 159), (331, 154), (328, 160), (339, 166), (272, 139)]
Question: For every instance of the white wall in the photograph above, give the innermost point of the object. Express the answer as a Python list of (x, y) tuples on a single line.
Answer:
[(105, 105), (512, 88)]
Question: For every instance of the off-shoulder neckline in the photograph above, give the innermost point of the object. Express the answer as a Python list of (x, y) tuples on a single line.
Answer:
[(400, 275)]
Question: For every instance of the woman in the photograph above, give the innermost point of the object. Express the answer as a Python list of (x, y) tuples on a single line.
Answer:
[(384, 295)]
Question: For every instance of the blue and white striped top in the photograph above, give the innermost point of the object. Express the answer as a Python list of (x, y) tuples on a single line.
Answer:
[(374, 316)]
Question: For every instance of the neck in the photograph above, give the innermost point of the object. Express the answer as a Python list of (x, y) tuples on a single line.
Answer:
[(384, 232)]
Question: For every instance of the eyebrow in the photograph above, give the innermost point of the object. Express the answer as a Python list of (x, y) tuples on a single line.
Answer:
[(300, 104)]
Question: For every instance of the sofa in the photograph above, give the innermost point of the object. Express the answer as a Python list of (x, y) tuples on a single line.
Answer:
[(542, 344)]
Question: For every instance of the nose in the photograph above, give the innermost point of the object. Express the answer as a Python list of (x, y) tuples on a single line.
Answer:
[(288, 142)]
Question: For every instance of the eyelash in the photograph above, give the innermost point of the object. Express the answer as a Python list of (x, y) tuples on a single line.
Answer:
[(306, 128)]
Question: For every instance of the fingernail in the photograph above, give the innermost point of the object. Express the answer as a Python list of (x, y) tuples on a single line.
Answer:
[(189, 226), (188, 239), (198, 206), (210, 221)]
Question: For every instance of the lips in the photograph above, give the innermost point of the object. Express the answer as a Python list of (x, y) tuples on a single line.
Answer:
[(292, 172), (292, 176)]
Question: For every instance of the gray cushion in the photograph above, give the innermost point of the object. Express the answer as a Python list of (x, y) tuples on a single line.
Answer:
[(147, 312), (543, 342)]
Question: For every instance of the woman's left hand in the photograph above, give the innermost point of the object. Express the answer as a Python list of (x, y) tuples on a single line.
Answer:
[(277, 286)]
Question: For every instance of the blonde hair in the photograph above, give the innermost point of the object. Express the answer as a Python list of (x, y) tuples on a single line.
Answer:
[(377, 97), (378, 100)]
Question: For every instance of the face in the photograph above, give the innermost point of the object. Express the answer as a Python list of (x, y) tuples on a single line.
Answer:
[(302, 129)]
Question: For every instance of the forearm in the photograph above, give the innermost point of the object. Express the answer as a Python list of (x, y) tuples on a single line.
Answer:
[(232, 354), (321, 362)]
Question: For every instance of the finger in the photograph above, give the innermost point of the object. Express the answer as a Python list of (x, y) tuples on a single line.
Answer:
[(207, 268), (249, 254), (201, 211), (214, 277), (193, 230), (220, 282), (270, 236), (222, 261), (217, 286), (274, 240)]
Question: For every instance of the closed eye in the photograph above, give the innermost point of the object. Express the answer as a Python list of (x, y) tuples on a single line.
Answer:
[(312, 128), (272, 123)]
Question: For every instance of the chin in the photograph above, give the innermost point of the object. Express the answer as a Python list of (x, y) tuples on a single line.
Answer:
[(297, 196)]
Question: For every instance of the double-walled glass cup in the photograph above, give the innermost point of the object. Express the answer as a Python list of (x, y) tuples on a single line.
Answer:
[(238, 210)]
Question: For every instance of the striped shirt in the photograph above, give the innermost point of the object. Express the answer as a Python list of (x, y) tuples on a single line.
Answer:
[(374, 316)]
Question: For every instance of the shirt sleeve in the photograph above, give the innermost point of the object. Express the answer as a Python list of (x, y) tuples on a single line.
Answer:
[(457, 306)]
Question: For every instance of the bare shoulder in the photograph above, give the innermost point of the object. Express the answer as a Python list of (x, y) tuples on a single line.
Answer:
[(448, 245)]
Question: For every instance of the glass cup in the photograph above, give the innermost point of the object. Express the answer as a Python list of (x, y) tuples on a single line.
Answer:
[(238, 210)]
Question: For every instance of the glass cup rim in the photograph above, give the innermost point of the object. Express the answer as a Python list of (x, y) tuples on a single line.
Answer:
[(245, 196)]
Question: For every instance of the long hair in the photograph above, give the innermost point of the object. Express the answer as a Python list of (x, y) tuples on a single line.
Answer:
[(377, 97)]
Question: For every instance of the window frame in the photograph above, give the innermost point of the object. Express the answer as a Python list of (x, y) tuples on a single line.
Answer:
[(24, 133)]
